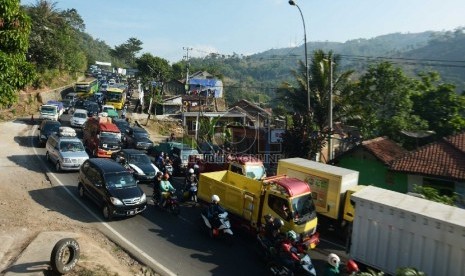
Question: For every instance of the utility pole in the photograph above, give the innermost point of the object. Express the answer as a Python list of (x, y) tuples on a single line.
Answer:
[(187, 49), (330, 138)]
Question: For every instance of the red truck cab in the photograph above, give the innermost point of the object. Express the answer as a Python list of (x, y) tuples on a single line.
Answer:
[(101, 137)]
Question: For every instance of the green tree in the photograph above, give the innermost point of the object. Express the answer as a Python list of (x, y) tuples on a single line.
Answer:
[(381, 105), (439, 105), (54, 40), (434, 195), (15, 71), (324, 66), (128, 50)]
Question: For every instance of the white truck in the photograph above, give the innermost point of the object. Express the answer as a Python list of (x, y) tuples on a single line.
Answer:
[(49, 112), (392, 230)]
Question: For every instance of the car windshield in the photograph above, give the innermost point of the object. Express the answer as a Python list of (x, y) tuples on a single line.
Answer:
[(71, 146), (120, 180), (139, 159), (80, 115), (141, 135), (303, 208), (254, 171), (51, 127)]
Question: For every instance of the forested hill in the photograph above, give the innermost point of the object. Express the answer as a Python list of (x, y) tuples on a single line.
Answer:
[(259, 74)]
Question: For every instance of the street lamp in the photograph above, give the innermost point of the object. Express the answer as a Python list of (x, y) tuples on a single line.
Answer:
[(292, 3)]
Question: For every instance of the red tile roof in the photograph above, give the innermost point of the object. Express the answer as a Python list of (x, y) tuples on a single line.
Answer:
[(445, 158), (384, 149)]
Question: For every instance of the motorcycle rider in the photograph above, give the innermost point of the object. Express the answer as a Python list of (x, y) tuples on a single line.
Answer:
[(272, 227), (214, 210), (191, 183), (165, 189), (156, 185), (288, 252), (332, 267)]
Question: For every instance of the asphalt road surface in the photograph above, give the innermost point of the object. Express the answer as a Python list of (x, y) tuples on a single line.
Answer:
[(171, 245)]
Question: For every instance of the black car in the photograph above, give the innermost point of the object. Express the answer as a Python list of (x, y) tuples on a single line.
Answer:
[(47, 128), (138, 162), (122, 125), (92, 109), (138, 138), (111, 187)]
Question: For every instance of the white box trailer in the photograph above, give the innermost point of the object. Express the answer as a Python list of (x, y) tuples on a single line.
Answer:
[(393, 230)]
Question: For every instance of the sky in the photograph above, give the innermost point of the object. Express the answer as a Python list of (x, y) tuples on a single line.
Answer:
[(167, 27)]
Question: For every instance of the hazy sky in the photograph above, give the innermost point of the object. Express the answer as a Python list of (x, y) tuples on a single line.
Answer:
[(251, 26)]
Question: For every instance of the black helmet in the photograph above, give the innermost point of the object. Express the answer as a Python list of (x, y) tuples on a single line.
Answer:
[(278, 223)]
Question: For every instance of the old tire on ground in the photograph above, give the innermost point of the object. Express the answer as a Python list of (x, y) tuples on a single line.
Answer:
[(65, 255)]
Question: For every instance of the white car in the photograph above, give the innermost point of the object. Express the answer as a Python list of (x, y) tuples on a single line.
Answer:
[(79, 118)]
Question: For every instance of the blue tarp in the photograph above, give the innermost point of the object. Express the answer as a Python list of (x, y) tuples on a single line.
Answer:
[(203, 82)]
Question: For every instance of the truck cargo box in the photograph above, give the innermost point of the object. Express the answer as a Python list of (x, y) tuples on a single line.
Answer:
[(393, 230), (238, 194), (328, 183)]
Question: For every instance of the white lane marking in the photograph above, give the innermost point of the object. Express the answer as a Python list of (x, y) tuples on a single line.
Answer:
[(116, 233)]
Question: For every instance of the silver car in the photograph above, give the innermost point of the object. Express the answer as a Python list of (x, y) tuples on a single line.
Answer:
[(79, 118), (65, 150)]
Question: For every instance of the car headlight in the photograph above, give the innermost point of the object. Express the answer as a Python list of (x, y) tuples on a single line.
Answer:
[(143, 198), (139, 143), (66, 160), (115, 201)]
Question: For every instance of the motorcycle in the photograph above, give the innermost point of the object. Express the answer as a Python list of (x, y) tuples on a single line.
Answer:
[(218, 226), (171, 203), (276, 265), (190, 192), (168, 168)]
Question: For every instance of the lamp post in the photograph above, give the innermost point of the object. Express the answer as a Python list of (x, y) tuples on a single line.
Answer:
[(292, 3)]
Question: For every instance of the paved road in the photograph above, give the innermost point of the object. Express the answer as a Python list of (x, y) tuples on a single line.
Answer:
[(176, 245)]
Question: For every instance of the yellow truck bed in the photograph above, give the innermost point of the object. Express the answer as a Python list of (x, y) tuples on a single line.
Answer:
[(238, 194)]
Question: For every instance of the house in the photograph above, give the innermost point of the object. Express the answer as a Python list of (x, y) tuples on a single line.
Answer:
[(257, 116), (190, 120), (372, 159), (440, 165)]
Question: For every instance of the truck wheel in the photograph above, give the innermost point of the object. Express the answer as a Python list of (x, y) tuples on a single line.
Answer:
[(107, 212), (65, 255)]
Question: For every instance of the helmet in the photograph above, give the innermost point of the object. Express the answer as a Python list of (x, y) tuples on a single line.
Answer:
[(352, 266), (215, 198), (333, 260), (191, 170), (291, 235), (196, 166), (278, 223)]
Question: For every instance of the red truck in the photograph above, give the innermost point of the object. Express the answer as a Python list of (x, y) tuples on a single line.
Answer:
[(101, 136)]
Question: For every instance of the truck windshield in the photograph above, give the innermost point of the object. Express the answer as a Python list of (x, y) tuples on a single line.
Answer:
[(255, 172), (48, 109), (303, 208), (114, 135)]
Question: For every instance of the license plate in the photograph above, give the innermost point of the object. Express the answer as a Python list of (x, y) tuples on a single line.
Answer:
[(130, 213)]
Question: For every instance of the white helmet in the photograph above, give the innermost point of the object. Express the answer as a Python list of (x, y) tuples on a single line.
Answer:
[(215, 198), (196, 166), (334, 260), (191, 170)]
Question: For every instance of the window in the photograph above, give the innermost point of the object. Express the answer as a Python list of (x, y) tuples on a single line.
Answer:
[(280, 206), (236, 169)]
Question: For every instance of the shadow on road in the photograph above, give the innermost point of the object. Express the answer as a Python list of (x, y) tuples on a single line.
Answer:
[(30, 162), (58, 199)]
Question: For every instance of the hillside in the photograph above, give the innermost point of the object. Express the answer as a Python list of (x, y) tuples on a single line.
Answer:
[(256, 77)]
